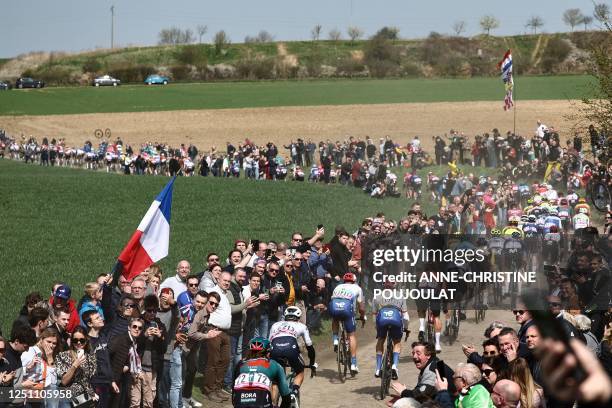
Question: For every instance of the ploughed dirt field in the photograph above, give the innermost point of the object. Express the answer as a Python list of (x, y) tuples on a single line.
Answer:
[(206, 128)]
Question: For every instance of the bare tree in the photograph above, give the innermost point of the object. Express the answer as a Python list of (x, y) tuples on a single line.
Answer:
[(587, 21), (354, 33), (534, 23), (572, 17), (335, 35), (221, 40), (459, 28), (201, 29), (174, 36), (489, 23), (316, 32), (601, 12), (262, 37)]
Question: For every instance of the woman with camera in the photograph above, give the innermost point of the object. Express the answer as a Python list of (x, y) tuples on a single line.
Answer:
[(75, 368)]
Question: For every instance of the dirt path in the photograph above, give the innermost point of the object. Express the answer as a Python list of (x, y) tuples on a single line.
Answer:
[(206, 128), (326, 390)]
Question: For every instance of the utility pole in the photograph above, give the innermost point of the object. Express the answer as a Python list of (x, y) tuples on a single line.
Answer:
[(112, 9)]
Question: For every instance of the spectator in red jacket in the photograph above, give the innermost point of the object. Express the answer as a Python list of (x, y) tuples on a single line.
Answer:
[(61, 300)]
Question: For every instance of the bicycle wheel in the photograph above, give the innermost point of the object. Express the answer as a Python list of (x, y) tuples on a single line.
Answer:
[(340, 356), (429, 335), (385, 375), (347, 356), (98, 133), (107, 133), (600, 196)]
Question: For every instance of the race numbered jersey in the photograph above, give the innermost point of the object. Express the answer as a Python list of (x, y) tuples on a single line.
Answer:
[(252, 381), (290, 329), (259, 374), (552, 237), (581, 221), (564, 213), (348, 291), (512, 245), (496, 245)]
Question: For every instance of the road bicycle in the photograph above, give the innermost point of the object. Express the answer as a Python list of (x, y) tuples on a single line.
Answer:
[(480, 310), (387, 364), (452, 330), (98, 133), (343, 352)]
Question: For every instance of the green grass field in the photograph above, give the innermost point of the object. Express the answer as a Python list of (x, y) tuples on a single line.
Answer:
[(70, 225), (140, 98)]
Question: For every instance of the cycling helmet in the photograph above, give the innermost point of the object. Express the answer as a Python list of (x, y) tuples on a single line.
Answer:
[(553, 229), (553, 211), (545, 210), (583, 210), (563, 201), (293, 313), (516, 235), (530, 201), (349, 277), (532, 218), (495, 231), (524, 218), (537, 212), (259, 344), (581, 200)]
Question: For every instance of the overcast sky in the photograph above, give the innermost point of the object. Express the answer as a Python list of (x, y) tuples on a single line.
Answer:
[(75, 25)]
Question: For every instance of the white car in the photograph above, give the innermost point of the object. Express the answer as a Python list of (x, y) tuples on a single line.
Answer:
[(106, 80)]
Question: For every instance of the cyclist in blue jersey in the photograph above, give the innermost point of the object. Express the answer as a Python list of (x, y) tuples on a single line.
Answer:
[(390, 314)]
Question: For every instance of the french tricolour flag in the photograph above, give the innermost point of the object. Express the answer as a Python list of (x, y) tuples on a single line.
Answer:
[(150, 242)]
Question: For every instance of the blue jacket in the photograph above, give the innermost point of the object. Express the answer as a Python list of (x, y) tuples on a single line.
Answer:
[(319, 263)]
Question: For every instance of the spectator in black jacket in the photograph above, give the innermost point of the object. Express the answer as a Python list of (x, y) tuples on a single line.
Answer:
[(102, 381), (126, 365), (340, 256), (117, 321), (152, 355), (276, 285)]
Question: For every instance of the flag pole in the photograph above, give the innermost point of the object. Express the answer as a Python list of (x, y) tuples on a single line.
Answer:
[(514, 103)]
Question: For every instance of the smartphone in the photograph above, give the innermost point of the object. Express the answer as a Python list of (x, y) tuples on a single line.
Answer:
[(80, 353), (549, 326), (319, 226), (440, 368), (153, 325)]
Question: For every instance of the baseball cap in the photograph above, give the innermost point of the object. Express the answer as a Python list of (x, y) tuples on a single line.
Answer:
[(63, 292)]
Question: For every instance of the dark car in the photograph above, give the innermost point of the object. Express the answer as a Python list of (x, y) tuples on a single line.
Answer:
[(4, 86), (29, 83)]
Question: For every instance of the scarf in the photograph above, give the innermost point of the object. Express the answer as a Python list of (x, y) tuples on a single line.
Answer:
[(135, 363)]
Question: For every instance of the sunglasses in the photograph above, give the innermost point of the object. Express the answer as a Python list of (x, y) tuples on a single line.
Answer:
[(80, 340), (136, 327), (213, 260), (130, 305), (193, 285), (487, 372), (151, 311), (554, 304), (298, 239), (214, 304), (519, 312), (274, 270)]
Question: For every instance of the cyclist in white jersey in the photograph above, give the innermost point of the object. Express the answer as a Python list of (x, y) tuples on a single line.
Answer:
[(284, 345), (345, 298)]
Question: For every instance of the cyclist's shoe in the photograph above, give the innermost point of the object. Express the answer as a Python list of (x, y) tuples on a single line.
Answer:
[(394, 372), (421, 336), (335, 346), (377, 373), (438, 348), (354, 369)]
